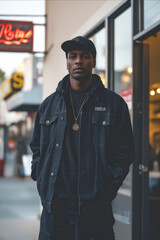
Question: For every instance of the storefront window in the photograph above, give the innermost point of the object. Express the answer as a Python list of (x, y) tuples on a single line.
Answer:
[(123, 57), (99, 40), (122, 206), (151, 12)]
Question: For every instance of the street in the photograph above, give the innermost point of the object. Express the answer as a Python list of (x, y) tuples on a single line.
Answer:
[(19, 209)]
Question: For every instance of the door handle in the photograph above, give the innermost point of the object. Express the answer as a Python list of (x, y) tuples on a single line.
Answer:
[(142, 168)]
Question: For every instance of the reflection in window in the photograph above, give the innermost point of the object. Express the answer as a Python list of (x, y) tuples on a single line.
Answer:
[(99, 40), (151, 12), (123, 57)]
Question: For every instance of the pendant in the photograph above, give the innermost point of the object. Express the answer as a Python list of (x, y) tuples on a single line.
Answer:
[(75, 126)]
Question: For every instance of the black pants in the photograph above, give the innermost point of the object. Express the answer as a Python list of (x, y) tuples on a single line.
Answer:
[(94, 223)]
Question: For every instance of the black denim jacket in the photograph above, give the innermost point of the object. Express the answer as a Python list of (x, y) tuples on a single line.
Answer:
[(106, 143)]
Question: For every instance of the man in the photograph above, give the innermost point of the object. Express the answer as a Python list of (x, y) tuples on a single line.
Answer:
[(82, 148)]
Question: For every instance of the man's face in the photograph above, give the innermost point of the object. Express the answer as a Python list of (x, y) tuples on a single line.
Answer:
[(80, 64)]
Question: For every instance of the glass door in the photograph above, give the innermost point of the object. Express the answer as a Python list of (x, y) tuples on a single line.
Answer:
[(153, 43), (146, 188)]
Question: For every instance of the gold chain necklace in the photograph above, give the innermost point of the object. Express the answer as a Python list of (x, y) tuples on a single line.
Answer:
[(75, 126)]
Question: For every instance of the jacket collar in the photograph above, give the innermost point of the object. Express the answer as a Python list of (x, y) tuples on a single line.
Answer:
[(64, 84)]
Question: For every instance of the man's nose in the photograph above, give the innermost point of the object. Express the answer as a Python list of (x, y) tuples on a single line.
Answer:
[(79, 60)]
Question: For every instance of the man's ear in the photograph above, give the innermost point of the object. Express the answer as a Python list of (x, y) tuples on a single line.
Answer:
[(94, 64)]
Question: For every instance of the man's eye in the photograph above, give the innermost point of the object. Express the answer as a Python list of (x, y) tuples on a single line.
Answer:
[(86, 56), (72, 57)]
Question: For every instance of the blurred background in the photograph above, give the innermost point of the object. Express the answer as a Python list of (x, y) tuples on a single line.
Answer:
[(21, 77), (126, 34)]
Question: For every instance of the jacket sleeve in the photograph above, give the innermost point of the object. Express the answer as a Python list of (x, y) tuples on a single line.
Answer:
[(122, 145), (35, 147)]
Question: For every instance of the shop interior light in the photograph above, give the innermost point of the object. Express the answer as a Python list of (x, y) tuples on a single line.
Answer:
[(158, 90), (125, 78), (152, 92), (129, 69)]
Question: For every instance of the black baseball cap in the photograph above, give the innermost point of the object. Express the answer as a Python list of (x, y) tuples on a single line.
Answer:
[(79, 42)]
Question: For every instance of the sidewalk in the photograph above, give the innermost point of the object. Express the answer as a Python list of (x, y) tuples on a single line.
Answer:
[(19, 229), (19, 209)]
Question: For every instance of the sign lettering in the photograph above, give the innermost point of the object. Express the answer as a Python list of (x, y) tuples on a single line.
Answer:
[(12, 85), (17, 81), (16, 36)]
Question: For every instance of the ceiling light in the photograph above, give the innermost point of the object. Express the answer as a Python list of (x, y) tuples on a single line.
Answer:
[(152, 92), (158, 90)]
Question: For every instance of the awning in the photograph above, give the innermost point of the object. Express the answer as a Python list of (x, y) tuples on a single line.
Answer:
[(28, 101)]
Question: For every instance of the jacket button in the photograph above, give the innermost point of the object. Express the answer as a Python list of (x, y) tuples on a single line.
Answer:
[(52, 174), (57, 144), (104, 123), (47, 122)]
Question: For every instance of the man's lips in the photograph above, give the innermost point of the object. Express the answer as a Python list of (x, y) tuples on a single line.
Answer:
[(78, 69)]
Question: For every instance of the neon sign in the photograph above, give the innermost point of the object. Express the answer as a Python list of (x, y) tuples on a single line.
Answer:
[(16, 36)]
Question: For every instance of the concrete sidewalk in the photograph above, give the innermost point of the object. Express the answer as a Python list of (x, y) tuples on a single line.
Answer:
[(19, 229), (19, 209)]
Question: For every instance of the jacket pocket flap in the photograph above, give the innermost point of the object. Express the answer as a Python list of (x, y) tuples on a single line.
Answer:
[(102, 120), (48, 120)]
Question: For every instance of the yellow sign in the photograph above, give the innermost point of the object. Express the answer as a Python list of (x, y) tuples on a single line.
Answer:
[(17, 81), (11, 85)]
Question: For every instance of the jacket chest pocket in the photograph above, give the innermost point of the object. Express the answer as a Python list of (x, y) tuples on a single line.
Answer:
[(102, 126), (48, 124)]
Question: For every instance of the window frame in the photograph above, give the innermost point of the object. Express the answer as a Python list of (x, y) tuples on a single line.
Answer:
[(110, 46)]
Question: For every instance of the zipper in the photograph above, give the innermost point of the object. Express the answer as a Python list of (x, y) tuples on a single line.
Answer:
[(79, 158)]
